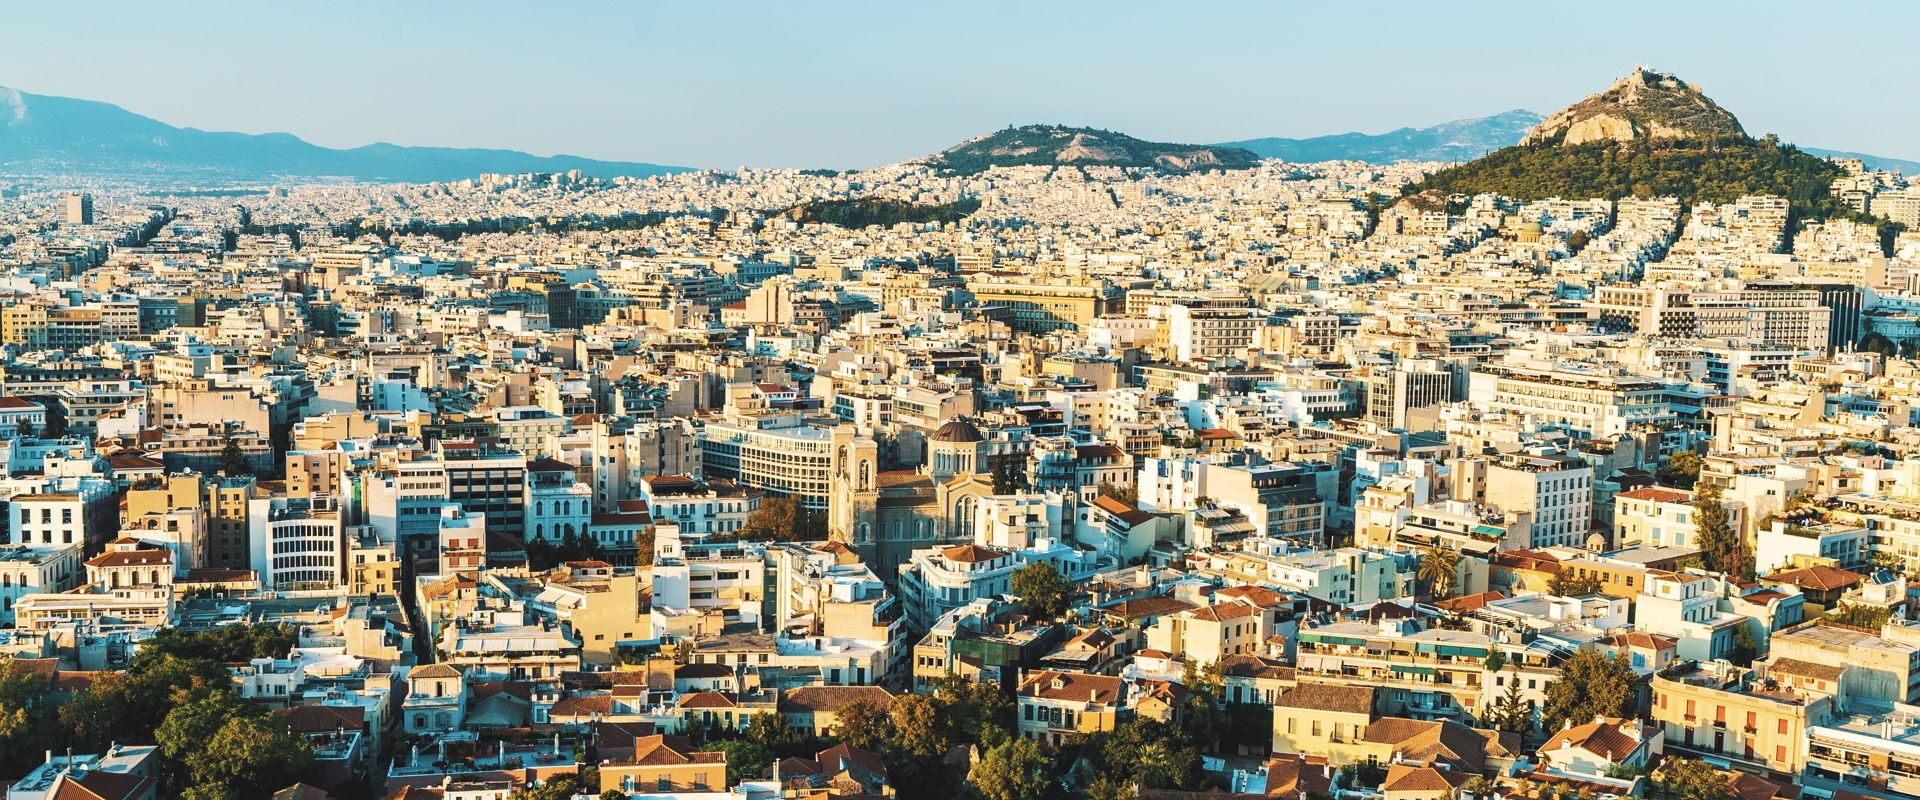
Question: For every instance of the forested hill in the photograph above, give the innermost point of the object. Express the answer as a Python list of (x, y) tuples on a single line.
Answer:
[(867, 211)]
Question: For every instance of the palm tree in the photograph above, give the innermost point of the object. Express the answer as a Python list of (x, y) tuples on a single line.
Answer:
[(1437, 569)]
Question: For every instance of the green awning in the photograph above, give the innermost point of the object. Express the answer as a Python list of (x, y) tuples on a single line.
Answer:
[(1488, 530), (1415, 670)]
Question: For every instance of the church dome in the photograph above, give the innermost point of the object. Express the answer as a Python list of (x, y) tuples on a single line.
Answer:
[(958, 431)]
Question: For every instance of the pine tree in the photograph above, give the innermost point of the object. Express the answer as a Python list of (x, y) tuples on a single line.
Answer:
[(1718, 543), (1511, 712), (232, 461)]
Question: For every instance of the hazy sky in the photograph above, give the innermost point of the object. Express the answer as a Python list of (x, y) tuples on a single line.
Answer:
[(810, 83)]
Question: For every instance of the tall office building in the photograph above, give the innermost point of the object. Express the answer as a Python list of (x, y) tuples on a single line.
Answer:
[(77, 209), (1392, 392)]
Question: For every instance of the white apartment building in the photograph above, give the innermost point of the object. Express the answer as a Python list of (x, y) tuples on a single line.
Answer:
[(940, 579), (1663, 517), (557, 505), (296, 543), (775, 453), (1583, 401), (35, 570), (1209, 334), (461, 539), (530, 430), (47, 518), (1557, 490), (699, 508)]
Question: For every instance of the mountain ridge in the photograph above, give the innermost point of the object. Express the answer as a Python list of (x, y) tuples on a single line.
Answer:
[(1644, 104), (1059, 145), (1649, 135), (47, 135), (1454, 140)]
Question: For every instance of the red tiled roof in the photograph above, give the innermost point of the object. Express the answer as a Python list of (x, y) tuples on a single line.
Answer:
[(971, 553), (1658, 494)]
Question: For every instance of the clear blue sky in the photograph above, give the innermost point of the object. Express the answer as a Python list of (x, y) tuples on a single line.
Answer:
[(811, 83)]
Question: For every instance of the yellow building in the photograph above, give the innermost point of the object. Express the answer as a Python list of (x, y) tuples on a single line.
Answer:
[(24, 325), (1321, 719), (1040, 308), (1056, 705), (663, 764), (1728, 712)]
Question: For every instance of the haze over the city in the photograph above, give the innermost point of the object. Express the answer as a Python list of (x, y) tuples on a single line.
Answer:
[(975, 401), (846, 85)]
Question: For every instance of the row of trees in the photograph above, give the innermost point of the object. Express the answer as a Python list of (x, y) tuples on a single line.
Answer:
[(867, 211), (177, 695)]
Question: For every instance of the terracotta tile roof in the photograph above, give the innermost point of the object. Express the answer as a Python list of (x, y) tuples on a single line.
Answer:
[(1258, 595), (833, 698), (104, 786), (1147, 607), (1222, 612), (320, 719), (133, 558), (667, 750), (585, 706), (833, 758), (707, 700), (436, 671), (1650, 641), (1601, 737), (1421, 740), (1134, 517), (1806, 669), (971, 553), (1328, 697), (1469, 602), (1418, 778), (1074, 686), (703, 671), (1657, 494), (1818, 577)]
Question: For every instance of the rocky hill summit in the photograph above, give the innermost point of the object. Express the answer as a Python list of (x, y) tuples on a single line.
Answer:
[(1055, 145), (1642, 105)]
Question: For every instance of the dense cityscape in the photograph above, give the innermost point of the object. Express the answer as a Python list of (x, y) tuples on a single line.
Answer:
[(1058, 464)]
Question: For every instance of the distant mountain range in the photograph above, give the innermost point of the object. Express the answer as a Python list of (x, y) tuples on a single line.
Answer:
[(45, 136), (1055, 145), (1459, 140), (59, 137)]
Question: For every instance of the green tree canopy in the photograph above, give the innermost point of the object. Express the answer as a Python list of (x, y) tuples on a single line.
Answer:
[(1015, 770), (232, 460), (779, 519), (1439, 569), (1511, 712), (1684, 467), (864, 725), (745, 758), (1042, 589), (23, 701), (1590, 685), (216, 738), (1692, 779)]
